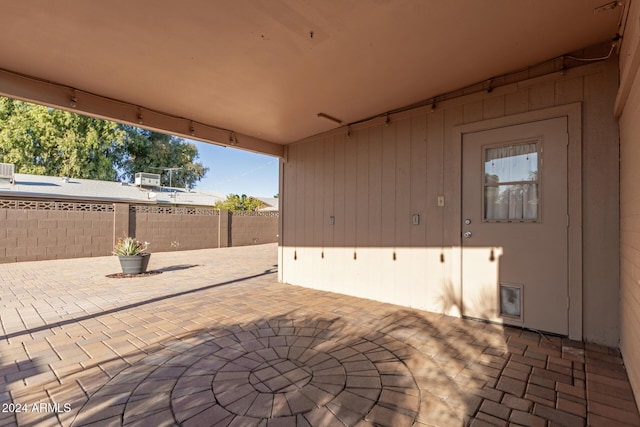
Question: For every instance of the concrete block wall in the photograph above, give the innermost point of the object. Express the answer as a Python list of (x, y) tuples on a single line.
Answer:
[(180, 231), (33, 230), (253, 230), (32, 235)]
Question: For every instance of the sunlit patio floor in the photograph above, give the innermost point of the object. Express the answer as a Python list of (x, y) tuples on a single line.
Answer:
[(216, 340)]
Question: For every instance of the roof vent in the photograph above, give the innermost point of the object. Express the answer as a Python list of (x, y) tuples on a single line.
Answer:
[(144, 179), (7, 172)]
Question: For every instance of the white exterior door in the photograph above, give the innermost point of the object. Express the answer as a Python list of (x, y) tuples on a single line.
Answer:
[(514, 225)]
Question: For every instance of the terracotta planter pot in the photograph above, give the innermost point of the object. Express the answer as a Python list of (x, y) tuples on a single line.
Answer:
[(134, 264)]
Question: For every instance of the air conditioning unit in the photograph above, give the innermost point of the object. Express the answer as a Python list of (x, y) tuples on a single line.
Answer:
[(144, 179), (7, 172)]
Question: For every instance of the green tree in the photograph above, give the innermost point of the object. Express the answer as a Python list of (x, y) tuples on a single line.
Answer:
[(147, 151), (44, 141), (234, 202)]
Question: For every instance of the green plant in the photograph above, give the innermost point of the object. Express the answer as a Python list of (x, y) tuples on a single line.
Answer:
[(130, 246)]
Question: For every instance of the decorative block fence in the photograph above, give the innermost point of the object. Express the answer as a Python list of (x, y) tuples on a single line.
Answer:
[(33, 230)]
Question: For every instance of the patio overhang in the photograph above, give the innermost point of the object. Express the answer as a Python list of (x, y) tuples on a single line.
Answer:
[(256, 75)]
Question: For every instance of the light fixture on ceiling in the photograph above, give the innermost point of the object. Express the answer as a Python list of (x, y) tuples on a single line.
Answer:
[(140, 119), (74, 101), (192, 131), (232, 139), (328, 117)]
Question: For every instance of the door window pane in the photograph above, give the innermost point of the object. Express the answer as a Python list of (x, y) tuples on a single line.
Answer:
[(511, 183)]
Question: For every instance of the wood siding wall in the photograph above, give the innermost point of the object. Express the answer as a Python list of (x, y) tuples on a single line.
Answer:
[(373, 181), (630, 205)]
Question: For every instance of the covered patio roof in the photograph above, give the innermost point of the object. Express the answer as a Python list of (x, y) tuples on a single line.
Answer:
[(256, 74)]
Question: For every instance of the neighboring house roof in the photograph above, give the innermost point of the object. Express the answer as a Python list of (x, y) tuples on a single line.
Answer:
[(270, 203), (57, 187)]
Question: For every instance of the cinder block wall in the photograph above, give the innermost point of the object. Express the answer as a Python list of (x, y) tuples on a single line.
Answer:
[(253, 230), (180, 231), (32, 230)]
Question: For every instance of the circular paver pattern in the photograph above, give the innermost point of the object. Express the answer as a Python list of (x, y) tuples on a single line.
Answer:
[(284, 371), (279, 376)]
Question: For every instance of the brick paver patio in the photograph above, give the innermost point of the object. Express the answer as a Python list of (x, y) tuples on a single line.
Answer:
[(215, 340)]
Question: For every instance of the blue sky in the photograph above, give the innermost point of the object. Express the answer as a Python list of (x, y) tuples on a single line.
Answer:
[(236, 171)]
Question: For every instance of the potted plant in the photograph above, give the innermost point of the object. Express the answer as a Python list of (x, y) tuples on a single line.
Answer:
[(132, 254)]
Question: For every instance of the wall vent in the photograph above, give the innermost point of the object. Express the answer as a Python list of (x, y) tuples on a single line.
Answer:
[(7, 172)]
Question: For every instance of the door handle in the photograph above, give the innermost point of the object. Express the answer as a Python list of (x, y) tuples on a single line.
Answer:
[(467, 234)]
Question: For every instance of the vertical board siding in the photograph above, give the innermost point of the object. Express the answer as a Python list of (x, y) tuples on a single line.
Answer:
[(630, 237), (516, 102), (389, 195), (418, 168), (375, 166), (350, 184), (569, 91), (309, 197), (362, 189), (376, 178), (493, 107), (403, 183), (601, 234), (328, 204), (339, 191), (319, 188), (542, 96), (435, 179)]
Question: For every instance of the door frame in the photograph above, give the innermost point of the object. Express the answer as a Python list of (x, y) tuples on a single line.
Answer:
[(573, 113)]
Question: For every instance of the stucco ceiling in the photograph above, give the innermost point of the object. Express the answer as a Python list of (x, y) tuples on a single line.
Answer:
[(265, 68)]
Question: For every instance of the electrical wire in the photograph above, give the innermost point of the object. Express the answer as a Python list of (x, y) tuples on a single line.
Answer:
[(601, 58), (439, 98)]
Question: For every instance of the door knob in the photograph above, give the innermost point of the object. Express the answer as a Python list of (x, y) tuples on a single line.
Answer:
[(467, 221), (467, 234)]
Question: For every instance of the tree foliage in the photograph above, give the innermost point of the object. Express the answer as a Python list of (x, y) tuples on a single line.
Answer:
[(234, 202), (45, 141), (147, 151)]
